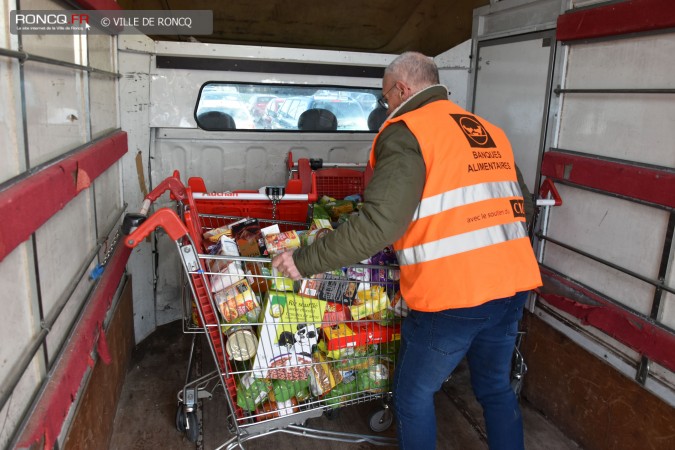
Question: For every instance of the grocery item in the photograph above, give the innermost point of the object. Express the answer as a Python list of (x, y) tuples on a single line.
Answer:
[(235, 302), (323, 377), (338, 207), (287, 336), (228, 273), (284, 390), (335, 313), (358, 333), (242, 343), (330, 287), (215, 234), (249, 237), (375, 379), (341, 392), (280, 242), (272, 409), (321, 220), (251, 392), (369, 302)]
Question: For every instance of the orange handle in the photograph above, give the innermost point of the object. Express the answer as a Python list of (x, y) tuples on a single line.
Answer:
[(172, 184), (165, 218)]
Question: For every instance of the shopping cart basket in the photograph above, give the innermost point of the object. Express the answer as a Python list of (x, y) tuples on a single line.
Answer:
[(336, 180), (285, 352)]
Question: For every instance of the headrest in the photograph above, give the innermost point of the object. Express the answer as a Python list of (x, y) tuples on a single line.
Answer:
[(317, 120), (376, 118), (216, 121)]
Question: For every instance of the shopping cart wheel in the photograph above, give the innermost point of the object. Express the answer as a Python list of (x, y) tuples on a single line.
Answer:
[(192, 426), (187, 423), (381, 420), (180, 418)]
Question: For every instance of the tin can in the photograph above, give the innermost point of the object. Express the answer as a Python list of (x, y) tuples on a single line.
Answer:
[(242, 343)]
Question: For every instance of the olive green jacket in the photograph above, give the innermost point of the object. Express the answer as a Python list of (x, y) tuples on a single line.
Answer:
[(391, 197)]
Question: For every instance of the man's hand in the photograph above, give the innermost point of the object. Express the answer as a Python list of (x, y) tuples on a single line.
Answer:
[(284, 263)]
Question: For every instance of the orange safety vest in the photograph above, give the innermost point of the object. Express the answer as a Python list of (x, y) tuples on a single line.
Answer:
[(467, 243)]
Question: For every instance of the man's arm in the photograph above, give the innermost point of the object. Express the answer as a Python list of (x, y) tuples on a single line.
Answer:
[(391, 198)]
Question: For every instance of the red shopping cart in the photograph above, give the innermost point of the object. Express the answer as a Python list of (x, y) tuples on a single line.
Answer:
[(284, 352)]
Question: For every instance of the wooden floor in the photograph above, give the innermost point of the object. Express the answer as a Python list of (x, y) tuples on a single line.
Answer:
[(146, 413)]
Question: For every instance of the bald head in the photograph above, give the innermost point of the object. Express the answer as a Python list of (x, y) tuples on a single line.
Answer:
[(415, 69)]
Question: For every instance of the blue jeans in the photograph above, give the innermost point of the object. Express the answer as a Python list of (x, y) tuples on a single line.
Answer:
[(433, 344)]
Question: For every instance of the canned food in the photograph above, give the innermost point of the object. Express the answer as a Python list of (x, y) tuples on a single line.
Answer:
[(242, 343)]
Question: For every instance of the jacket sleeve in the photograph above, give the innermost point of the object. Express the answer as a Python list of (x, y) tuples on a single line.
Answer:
[(527, 197), (390, 200)]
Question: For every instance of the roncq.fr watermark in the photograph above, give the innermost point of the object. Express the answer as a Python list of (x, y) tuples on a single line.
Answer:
[(184, 22)]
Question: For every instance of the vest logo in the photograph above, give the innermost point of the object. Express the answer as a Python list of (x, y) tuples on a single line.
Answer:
[(518, 208), (474, 131)]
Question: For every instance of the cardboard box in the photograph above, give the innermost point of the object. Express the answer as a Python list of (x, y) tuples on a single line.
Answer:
[(287, 336)]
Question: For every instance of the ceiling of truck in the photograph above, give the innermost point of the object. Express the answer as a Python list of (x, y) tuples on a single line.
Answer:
[(375, 26)]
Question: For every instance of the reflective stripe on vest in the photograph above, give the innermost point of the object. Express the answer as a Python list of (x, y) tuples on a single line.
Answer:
[(463, 196), (461, 243)]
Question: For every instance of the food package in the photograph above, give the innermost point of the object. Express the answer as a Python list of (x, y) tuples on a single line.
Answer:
[(229, 273), (338, 207), (323, 376), (280, 282), (375, 379), (224, 246), (249, 238), (322, 221), (252, 391), (352, 358), (359, 333), (335, 313), (369, 302), (342, 392), (320, 213), (386, 257), (215, 234), (398, 305), (236, 302), (258, 275), (271, 409), (287, 336), (284, 390), (271, 229), (361, 274), (280, 242), (330, 287)]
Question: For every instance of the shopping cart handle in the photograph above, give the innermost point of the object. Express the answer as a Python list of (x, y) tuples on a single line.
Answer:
[(165, 218), (172, 184)]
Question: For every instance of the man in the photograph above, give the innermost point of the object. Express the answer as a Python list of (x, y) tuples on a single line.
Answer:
[(445, 191)]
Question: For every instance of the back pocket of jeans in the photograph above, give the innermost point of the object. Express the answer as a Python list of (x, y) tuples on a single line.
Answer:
[(451, 334)]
